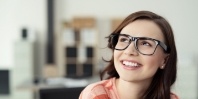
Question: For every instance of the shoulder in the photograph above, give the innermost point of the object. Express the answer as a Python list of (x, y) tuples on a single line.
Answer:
[(95, 90), (174, 96)]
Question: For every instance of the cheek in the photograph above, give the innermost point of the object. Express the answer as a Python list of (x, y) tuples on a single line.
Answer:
[(154, 61), (151, 65), (117, 55), (158, 57)]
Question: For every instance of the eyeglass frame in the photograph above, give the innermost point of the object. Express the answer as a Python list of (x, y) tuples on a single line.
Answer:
[(135, 39)]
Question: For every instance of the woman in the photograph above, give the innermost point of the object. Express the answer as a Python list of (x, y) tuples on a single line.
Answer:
[(143, 65)]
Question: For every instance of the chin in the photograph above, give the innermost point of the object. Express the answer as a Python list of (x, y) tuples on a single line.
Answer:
[(138, 80)]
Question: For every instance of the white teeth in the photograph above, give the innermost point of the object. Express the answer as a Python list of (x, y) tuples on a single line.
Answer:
[(130, 64)]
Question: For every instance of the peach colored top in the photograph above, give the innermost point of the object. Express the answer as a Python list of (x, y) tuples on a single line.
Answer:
[(105, 89)]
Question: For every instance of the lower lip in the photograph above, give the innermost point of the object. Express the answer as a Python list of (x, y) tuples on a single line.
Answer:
[(130, 68)]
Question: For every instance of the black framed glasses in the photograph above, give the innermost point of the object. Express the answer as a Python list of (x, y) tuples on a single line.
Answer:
[(143, 45)]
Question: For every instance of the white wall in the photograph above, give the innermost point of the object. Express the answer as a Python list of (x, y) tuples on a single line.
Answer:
[(14, 15)]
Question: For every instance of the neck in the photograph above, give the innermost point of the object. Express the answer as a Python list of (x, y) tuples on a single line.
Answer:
[(131, 90)]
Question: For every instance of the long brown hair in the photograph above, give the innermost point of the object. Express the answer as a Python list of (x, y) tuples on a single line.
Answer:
[(164, 78)]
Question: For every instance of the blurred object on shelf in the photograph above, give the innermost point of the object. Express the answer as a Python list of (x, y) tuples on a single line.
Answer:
[(83, 22)]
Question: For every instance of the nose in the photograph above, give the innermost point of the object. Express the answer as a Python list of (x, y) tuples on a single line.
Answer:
[(131, 49)]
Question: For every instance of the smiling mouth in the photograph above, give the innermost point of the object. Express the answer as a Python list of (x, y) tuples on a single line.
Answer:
[(130, 64)]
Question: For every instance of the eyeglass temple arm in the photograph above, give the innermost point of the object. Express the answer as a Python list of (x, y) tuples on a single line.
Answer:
[(163, 46)]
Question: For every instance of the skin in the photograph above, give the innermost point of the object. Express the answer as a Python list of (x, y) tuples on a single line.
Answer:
[(133, 82)]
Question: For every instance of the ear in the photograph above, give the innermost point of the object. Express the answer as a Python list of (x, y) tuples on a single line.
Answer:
[(166, 57)]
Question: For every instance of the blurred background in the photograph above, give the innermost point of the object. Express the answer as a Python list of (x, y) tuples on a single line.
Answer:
[(51, 49)]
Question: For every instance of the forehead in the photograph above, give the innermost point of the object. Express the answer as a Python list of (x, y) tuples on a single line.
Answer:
[(143, 28)]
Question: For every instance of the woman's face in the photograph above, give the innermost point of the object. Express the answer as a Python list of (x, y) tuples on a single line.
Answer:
[(133, 66)]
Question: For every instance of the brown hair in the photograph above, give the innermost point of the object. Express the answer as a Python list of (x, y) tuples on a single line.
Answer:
[(163, 79)]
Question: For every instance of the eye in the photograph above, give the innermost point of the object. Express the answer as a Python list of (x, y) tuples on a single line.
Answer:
[(145, 43), (123, 39)]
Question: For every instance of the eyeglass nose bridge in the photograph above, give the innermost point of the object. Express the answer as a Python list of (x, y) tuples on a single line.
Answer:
[(133, 39)]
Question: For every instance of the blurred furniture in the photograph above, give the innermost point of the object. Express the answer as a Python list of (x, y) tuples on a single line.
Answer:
[(23, 69), (60, 93), (57, 88), (79, 44), (5, 82)]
